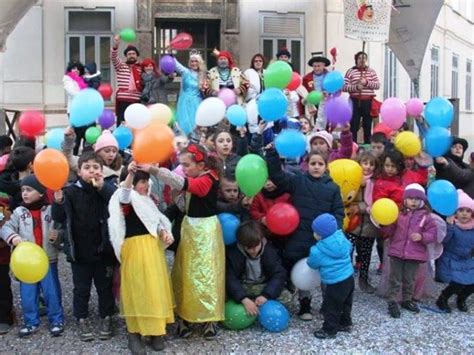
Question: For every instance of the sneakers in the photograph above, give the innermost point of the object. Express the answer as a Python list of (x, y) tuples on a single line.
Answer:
[(393, 309), (27, 330), (105, 331), (157, 343), (85, 332), (56, 329), (305, 309), (380, 269), (411, 306), (322, 334), (5, 328), (442, 303), (135, 344), (365, 286), (461, 303), (183, 329), (210, 331)]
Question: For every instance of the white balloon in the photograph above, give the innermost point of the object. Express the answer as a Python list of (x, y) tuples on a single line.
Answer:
[(303, 277), (137, 116), (210, 112), (252, 115)]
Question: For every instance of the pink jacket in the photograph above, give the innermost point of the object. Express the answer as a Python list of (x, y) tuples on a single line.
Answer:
[(401, 245)]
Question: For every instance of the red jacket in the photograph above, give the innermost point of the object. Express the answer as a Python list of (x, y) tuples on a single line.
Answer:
[(419, 176), (388, 187), (260, 205), (308, 82)]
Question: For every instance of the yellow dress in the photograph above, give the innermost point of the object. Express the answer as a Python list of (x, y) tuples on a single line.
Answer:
[(199, 271), (146, 294)]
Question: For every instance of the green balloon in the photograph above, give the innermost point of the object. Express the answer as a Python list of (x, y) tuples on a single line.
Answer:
[(314, 97), (92, 134), (128, 35), (236, 318), (251, 174), (277, 75)]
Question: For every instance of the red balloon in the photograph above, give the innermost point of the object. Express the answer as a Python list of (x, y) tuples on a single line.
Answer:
[(182, 41), (295, 81), (106, 91), (282, 219), (32, 124)]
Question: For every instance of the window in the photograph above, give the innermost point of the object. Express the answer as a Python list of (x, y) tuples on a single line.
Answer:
[(414, 90), (390, 74), (468, 84), (434, 71), (283, 31), (454, 76), (88, 38)]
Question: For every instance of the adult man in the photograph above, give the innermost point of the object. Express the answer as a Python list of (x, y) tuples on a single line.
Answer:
[(129, 79)]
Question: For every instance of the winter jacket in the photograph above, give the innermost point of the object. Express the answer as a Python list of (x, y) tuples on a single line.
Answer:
[(332, 256), (260, 205), (418, 176), (401, 245), (457, 262), (229, 165), (71, 87), (388, 187), (21, 224), (272, 268), (345, 152), (154, 90)]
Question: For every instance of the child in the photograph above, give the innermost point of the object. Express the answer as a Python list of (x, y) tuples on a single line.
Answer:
[(6, 296), (83, 207), (414, 173), (254, 271), (32, 222), (332, 256), (199, 268), (139, 233), (409, 236), (224, 144), (230, 199), (265, 199), (92, 76), (306, 126), (154, 90), (378, 143), (313, 193), (456, 265), (322, 142)]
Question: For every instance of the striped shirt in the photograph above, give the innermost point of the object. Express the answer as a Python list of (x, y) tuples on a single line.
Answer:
[(354, 75), (124, 78)]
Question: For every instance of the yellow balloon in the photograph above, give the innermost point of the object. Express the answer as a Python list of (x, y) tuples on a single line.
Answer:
[(29, 263), (408, 144), (160, 113), (384, 211), (347, 174)]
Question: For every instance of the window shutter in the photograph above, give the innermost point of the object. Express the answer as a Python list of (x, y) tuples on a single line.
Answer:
[(282, 25)]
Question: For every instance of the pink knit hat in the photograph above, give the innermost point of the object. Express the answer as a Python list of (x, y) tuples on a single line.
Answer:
[(106, 139), (464, 201), (324, 135)]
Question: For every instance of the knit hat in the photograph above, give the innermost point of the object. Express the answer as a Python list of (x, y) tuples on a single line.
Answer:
[(415, 191), (283, 51), (106, 139), (91, 68), (33, 182), (324, 135), (131, 48), (464, 201), (325, 225), (462, 141)]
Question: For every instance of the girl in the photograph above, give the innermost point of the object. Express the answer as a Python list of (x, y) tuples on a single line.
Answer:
[(154, 90), (139, 233), (408, 237), (255, 77), (306, 125), (414, 173), (322, 141), (224, 144), (456, 265), (313, 193), (199, 268)]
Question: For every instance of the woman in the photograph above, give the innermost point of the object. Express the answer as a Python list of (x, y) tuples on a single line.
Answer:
[(154, 90), (255, 77), (190, 93)]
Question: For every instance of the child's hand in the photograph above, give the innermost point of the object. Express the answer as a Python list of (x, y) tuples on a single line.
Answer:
[(98, 181), (250, 306), (246, 202), (16, 240), (260, 300), (264, 221), (450, 220), (166, 237), (58, 196), (354, 209), (416, 237), (261, 126), (346, 127), (132, 168), (442, 161), (243, 131), (53, 235)]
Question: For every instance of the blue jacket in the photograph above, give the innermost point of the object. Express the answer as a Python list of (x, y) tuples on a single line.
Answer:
[(332, 256), (457, 262)]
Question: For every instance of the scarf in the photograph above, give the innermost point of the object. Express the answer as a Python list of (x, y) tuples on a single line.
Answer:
[(465, 226), (369, 189), (78, 79)]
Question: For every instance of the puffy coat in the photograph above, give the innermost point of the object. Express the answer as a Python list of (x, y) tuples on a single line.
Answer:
[(457, 262), (260, 205), (401, 245), (332, 256), (388, 187)]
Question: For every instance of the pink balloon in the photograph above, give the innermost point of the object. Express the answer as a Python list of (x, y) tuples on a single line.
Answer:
[(414, 107), (228, 96), (393, 112)]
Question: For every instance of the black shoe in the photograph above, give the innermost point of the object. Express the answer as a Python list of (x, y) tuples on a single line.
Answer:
[(345, 328), (442, 303), (183, 329), (393, 309), (5, 328), (461, 303), (105, 331), (322, 334), (85, 332), (135, 344), (210, 331), (56, 329), (27, 330), (305, 309), (411, 306), (365, 287), (157, 343)]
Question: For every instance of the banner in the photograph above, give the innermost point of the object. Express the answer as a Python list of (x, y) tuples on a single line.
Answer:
[(367, 20)]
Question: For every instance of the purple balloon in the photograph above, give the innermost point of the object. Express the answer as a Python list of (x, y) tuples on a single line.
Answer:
[(107, 119), (168, 64), (338, 110)]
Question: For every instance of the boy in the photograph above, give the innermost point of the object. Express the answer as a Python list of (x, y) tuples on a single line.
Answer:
[(83, 206), (32, 222), (231, 201), (378, 143), (332, 256), (254, 271)]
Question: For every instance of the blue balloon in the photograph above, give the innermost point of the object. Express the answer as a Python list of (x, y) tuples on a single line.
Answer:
[(439, 112), (290, 144), (55, 138), (443, 197), (438, 141), (124, 137), (274, 316), (86, 107), (229, 224), (236, 115), (272, 104), (333, 82)]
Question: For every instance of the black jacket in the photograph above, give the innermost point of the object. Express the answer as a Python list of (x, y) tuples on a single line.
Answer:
[(272, 268), (11, 185)]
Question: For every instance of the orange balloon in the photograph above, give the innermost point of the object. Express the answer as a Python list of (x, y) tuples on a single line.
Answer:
[(153, 144), (51, 168)]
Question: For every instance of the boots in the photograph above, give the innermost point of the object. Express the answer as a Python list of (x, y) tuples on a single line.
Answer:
[(442, 303), (365, 286), (461, 303), (135, 344), (157, 343)]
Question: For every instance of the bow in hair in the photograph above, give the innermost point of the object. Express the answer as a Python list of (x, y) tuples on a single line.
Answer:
[(194, 150)]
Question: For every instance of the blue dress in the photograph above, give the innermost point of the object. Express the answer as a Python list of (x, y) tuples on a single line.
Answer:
[(189, 98)]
